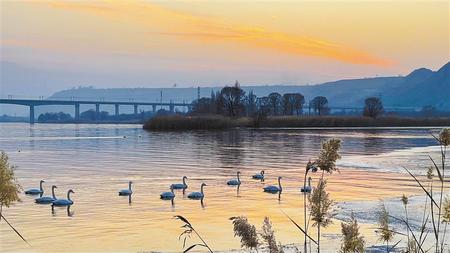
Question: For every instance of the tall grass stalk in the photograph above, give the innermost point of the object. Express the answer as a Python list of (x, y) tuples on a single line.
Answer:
[(246, 231), (437, 210), (321, 208), (188, 230), (353, 241), (405, 204), (385, 233), (326, 162)]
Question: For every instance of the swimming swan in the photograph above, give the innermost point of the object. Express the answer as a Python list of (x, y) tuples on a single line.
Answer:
[(36, 191), (64, 202), (168, 195), (180, 186), (259, 176), (126, 192), (274, 189), (197, 195), (235, 181), (307, 188), (47, 199)]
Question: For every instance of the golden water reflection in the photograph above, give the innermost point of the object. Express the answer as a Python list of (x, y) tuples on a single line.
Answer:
[(96, 161)]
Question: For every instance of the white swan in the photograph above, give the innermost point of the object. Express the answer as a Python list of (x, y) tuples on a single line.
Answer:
[(307, 188), (259, 176), (197, 195), (180, 186), (36, 191), (235, 181), (47, 199), (64, 202), (273, 188), (126, 192), (168, 195)]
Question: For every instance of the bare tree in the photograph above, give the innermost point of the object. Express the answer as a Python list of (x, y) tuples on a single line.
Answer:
[(373, 107), (299, 101), (275, 102), (320, 105), (288, 104), (251, 105), (233, 99), (292, 103)]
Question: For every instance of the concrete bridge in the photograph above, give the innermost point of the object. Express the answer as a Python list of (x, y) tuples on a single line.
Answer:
[(32, 103)]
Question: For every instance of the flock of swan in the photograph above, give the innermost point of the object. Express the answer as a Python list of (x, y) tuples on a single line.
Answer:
[(50, 199), (170, 195)]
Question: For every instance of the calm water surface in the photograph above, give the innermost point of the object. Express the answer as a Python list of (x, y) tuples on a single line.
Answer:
[(98, 160)]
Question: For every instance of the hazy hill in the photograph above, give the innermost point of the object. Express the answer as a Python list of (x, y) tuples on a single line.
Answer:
[(420, 88), (424, 89)]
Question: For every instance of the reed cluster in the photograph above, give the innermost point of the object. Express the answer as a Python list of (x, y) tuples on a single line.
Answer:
[(217, 122), (319, 212), (179, 122), (352, 121)]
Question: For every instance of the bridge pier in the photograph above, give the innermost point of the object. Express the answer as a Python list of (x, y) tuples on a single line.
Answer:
[(154, 108), (31, 114), (77, 112), (116, 107), (97, 111), (171, 107), (135, 110)]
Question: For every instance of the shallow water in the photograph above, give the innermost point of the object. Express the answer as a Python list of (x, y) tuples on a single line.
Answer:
[(96, 161)]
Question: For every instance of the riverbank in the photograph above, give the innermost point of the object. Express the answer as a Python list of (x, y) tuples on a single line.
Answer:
[(178, 122)]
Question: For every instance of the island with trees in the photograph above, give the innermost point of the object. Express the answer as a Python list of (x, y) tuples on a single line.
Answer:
[(232, 107)]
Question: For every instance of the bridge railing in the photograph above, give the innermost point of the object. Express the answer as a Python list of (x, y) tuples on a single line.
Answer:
[(96, 99)]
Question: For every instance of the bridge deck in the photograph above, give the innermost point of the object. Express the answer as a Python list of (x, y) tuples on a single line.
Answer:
[(34, 102)]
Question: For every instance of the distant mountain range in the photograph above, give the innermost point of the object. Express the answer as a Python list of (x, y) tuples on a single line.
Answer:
[(422, 87)]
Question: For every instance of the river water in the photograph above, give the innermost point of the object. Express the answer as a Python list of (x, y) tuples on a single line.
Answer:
[(96, 161)]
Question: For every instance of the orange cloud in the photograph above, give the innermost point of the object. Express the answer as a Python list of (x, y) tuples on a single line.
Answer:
[(168, 22)]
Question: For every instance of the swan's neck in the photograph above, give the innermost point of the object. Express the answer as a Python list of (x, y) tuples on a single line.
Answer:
[(279, 183), (40, 186), (201, 189), (184, 181), (53, 192), (309, 182), (129, 186), (68, 196), (239, 180)]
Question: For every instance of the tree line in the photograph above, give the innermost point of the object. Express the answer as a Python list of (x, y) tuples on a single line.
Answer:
[(92, 115), (232, 101)]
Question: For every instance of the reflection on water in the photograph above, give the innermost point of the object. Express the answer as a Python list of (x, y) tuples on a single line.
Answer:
[(67, 208), (96, 160)]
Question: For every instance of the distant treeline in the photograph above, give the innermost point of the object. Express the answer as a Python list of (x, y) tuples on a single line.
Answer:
[(7, 118), (232, 101), (92, 116)]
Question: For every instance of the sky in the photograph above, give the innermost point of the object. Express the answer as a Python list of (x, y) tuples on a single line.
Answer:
[(48, 46)]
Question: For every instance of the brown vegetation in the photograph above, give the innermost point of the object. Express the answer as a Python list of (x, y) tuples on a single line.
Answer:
[(179, 122), (215, 122), (352, 121)]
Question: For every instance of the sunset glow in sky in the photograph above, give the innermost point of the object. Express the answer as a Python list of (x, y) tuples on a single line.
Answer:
[(156, 44)]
